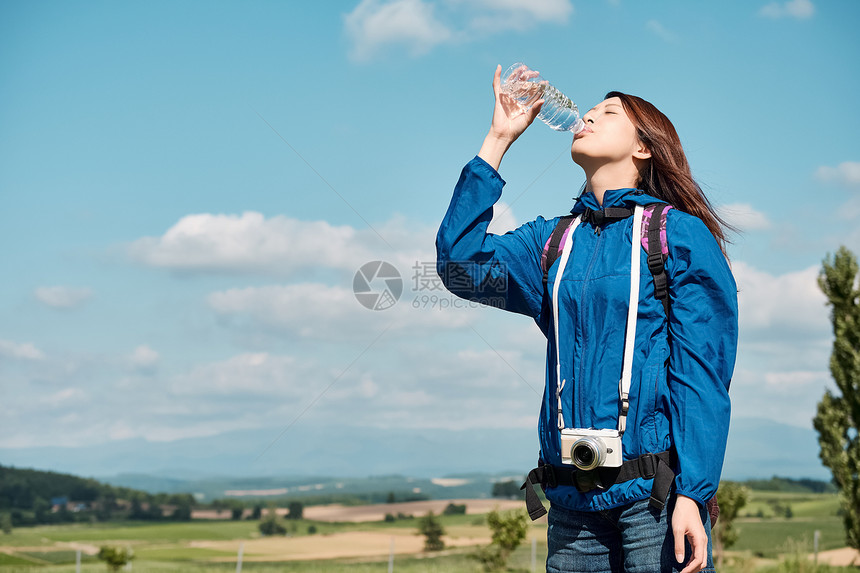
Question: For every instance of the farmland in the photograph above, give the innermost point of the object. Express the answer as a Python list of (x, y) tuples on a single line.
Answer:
[(338, 539)]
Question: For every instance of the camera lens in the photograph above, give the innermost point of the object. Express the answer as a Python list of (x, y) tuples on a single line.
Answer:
[(584, 456), (587, 453)]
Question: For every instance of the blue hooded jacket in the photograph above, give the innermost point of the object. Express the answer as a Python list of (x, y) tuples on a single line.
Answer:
[(681, 367)]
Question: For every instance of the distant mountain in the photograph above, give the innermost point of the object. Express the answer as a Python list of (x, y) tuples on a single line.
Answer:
[(328, 451), (757, 449), (375, 489)]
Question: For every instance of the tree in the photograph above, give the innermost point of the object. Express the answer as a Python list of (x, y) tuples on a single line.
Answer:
[(507, 489), (115, 557), (454, 509), (219, 505), (136, 511), (182, 511), (42, 509), (270, 525), (731, 497), (106, 505), (295, 509), (432, 530), (6, 523), (509, 530), (838, 419)]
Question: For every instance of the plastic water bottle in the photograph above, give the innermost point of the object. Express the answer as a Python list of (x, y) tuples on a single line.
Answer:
[(526, 86)]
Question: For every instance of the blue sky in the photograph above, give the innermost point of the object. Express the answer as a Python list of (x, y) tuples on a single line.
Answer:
[(188, 189)]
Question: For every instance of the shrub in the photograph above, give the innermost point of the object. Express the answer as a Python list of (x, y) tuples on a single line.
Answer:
[(115, 557), (432, 530), (454, 509)]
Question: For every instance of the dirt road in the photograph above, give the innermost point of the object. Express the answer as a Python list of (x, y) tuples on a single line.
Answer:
[(360, 513)]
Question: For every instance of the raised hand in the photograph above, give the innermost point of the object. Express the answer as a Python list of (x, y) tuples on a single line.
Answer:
[(509, 120)]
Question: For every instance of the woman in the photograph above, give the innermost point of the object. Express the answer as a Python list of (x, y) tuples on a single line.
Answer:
[(682, 360)]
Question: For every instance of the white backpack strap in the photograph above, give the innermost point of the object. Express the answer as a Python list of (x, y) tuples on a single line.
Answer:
[(562, 262), (632, 311)]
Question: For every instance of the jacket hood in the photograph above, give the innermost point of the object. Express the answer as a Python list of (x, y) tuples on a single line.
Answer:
[(627, 197)]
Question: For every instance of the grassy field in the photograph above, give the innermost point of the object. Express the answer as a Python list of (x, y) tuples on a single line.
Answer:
[(765, 534)]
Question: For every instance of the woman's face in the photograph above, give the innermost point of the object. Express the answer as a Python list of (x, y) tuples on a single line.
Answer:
[(609, 135)]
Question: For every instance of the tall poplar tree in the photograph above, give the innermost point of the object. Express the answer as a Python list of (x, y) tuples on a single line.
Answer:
[(838, 418)]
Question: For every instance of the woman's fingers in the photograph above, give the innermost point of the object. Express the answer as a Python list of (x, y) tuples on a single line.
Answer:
[(497, 80), (535, 110), (698, 545), (687, 525), (679, 534)]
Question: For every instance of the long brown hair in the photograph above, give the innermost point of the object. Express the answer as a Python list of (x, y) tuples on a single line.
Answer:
[(667, 174)]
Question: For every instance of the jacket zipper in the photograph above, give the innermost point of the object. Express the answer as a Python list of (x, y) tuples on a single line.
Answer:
[(579, 379)]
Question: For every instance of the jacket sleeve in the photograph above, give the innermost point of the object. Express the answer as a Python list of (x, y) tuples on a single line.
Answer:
[(703, 334), (499, 270)]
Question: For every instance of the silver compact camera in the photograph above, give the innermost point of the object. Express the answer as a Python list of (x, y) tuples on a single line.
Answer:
[(589, 449)]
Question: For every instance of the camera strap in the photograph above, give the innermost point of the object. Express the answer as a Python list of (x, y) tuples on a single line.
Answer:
[(565, 254), (632, 311)]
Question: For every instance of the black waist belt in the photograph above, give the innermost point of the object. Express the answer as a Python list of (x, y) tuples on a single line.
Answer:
[(657, 466)]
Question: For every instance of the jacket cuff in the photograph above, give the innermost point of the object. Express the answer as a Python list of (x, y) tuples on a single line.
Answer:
[(480, 163), (695, 497)]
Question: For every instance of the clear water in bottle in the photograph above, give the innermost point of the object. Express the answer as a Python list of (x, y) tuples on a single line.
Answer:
[(525, 86)]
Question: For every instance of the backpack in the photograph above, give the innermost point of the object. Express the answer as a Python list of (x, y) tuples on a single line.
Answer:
[(655, 243), (653, 238)]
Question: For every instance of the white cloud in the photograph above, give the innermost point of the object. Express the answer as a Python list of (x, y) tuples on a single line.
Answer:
[(495, 16), (503, 219), (62, 296), (279, 245), (744, 217), (408, 23), (321, 312), (784, 396), (144, 358), (799, 9), (63, 398), (400, 379), (251, 373), (661, 31), (776, 306), (796, 379), (846, 173), (25, 351), (419, 25), (537, 10), (249, 242), (413, 377)]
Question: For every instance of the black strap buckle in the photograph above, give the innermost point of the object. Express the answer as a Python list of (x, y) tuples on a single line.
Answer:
[(549, 478), (655, 259), (648, 465), (593, 217)]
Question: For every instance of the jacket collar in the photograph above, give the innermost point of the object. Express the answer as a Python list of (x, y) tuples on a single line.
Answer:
[(627, 197)]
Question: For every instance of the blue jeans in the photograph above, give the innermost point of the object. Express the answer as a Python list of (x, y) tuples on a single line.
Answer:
[(633, 538)]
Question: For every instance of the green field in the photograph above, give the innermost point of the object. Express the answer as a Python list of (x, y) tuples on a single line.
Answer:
[(765, 535)]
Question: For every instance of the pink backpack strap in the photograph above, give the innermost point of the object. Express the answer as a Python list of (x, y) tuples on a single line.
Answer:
[(657, 247), (646, 225)]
